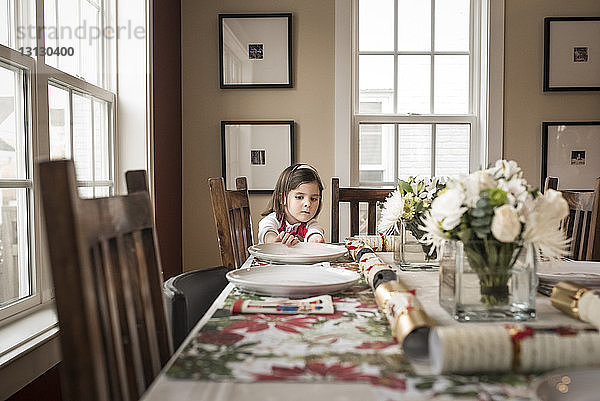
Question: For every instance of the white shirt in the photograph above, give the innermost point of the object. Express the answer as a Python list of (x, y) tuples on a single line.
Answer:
[(270, 223)]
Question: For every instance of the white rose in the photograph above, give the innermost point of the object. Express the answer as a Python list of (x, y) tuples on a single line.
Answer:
[(475, 183), (505, 224), (447, 208)]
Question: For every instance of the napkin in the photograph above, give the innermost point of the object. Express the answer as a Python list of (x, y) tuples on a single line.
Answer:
[(316, 305)]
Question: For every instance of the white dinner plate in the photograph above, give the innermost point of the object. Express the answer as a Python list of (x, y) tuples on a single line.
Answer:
[(303, 252), (587, 273), (292, 280), (569, 385)]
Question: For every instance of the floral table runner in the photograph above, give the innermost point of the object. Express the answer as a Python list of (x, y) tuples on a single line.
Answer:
[(354, 344)]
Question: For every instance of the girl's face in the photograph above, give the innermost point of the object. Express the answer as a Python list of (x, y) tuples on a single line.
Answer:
[(302, 203)]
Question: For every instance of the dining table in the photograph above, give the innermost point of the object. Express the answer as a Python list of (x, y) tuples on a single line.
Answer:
[(348, 355)]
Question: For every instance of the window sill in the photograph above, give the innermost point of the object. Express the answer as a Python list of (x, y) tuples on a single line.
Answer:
[(28, 348)]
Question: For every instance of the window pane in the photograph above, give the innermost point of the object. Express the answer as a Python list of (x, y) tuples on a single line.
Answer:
[(15, 274), (50, 34), (102, 147), (376, 84), (12, 124), (452, 25), (452, 149), (376, 153), (86, 192), (64, 32), (90, 46), (59, 118), (414, 150), (451, 85), (101, 192), (414, 25), (376, 25), (414, 84), (6, 22), (76, 24), (82, 137)]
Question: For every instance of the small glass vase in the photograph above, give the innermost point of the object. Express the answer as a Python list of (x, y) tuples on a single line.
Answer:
[(415, 255), (502, 292)]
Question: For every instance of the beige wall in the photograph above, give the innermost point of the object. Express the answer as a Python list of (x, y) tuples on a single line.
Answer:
[(310, 104), (526, 106)]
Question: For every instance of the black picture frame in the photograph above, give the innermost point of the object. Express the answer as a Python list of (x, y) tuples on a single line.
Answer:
[(571, 54), (258, 150), (571, 152), (255, 51)]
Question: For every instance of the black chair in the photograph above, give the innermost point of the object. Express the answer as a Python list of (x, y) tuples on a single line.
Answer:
[(189, 295)]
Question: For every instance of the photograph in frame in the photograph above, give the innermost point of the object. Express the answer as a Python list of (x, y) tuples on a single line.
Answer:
[(571, 54), (571, 152), (255, 51), (257, 150)]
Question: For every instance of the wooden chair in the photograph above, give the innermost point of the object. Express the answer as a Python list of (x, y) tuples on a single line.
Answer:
[(551, 183), (108, 288), (231, 210), (583, 223), (354, 196)]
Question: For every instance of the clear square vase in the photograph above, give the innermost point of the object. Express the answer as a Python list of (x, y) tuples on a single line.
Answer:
[(413, 254), (481, 282)]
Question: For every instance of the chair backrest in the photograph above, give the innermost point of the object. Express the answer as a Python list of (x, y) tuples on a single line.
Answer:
[(583, 223), (551, 183), (231, 210), (108, 288), (355, 196), (190, 295)]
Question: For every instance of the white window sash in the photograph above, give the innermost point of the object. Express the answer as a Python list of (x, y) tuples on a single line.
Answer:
[(485, 114), (27, 64)]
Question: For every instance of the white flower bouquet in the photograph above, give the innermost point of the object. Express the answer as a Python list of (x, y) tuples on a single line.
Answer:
[(407, 205), (495, 213)]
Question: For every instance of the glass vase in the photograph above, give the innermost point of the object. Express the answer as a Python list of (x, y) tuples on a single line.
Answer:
[(415, 255), (488, 281)]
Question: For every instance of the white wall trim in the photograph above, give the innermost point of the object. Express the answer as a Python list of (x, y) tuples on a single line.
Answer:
[(343, 88), (342, 103), (495, 99), (29, 347)]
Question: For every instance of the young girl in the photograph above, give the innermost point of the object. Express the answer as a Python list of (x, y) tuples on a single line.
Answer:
[(296, 201)]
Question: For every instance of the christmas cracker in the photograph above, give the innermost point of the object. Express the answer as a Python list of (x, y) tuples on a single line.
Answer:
[(577, 301), (409, 322), (518, 348)]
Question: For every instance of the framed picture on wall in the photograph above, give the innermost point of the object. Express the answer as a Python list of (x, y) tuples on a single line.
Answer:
[(255, 50), (571, 152), (258, 150), (571, 53)]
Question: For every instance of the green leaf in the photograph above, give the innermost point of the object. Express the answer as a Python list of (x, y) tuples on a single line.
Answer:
[(478, 212), (483, 202), (482, 222), (404, 187)]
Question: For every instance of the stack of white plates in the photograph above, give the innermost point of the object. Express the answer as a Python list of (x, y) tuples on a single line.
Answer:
[(304, 252), (584, 273)]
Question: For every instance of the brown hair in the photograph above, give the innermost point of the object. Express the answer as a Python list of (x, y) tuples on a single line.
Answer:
[(290, 179)]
